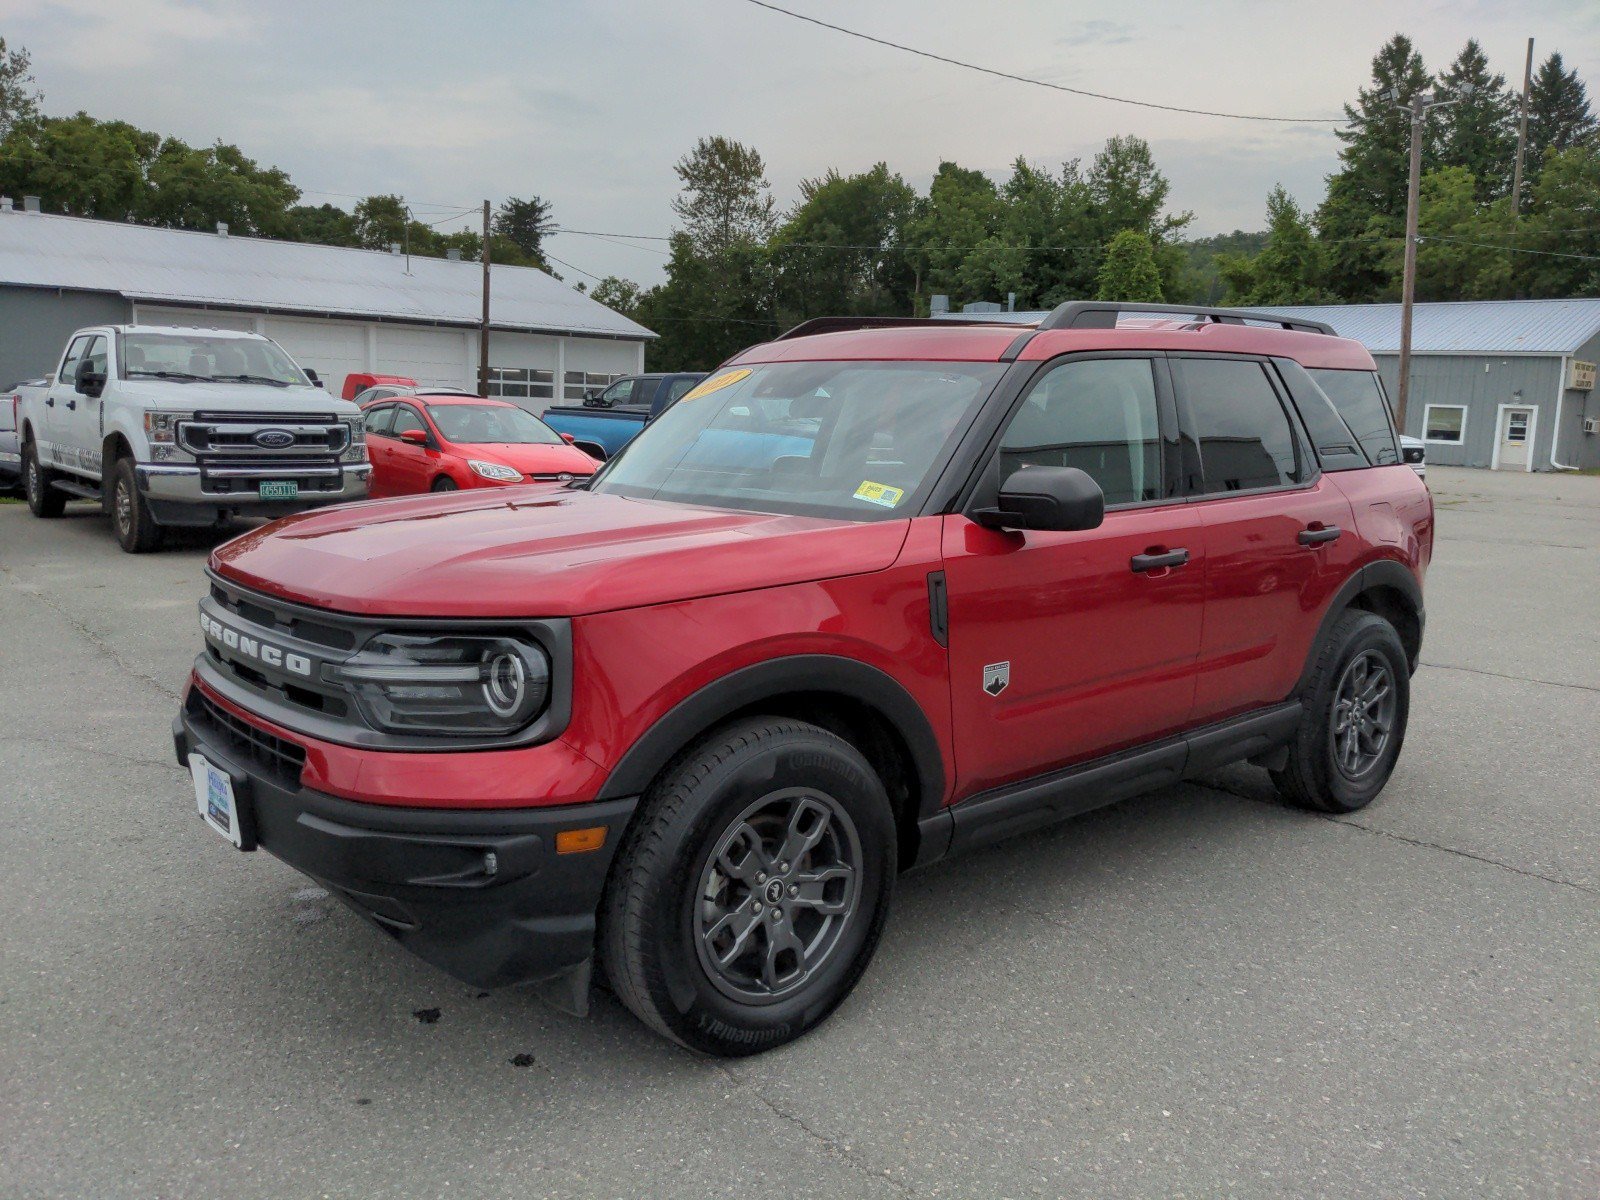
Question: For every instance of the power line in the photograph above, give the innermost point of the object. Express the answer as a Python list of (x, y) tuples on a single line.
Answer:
[(1512, 249), (1059, 87)]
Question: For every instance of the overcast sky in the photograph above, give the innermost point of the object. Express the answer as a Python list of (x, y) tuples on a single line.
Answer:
[(589, 104)]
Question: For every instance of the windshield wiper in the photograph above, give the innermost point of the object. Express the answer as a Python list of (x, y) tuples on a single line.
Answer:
[(183, 376), (252, 379)]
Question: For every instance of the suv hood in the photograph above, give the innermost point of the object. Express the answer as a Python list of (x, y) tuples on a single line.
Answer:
[(541, 551), (234, 397)]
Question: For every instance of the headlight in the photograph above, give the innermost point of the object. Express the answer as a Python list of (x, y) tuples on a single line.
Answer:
[(356, 451), (409, 683), (494, 471), (161, 428)]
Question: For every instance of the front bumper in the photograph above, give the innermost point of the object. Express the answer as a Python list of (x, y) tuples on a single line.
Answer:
[(482, 895), (180, 494)]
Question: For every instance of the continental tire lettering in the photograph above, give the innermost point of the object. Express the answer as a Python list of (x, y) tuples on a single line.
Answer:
[(745, 1037)]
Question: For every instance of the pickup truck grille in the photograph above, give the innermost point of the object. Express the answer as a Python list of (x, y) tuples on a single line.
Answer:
[(258, 437)]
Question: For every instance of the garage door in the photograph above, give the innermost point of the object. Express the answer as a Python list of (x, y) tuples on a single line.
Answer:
[(427, 355), (333, 349)]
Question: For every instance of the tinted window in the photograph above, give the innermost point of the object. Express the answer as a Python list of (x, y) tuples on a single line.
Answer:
[(378, 420), (96, 356), (620, 393), (1098, 416), (490, 424), (406, 418), (1246, 440), (69, 366), (1359, 399), (679, 386)]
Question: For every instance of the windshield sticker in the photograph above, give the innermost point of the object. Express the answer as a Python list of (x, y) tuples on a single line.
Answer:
[(880, 493), (715, 384)]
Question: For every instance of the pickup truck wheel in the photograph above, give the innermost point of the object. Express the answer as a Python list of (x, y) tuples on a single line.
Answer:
[(1355, 718), (137, 531), (750, 892), (43, 500)]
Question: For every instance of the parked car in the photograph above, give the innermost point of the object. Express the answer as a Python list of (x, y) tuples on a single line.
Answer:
[(358, 382), (441, 442), (692, 716), (384, 391), (1415, 453), (10, 445), (166, 426), (604, 424)]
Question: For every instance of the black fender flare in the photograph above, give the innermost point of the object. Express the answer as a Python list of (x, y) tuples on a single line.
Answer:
[(715, 702), (1384, 572)]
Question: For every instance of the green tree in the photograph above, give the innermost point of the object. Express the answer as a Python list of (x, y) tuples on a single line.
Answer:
[(191, 188), (842, 248), (1129, 271), (620, 295), (1477, 132), (1127, 191), (381, 221), (79, 166), (710, 307), (1457, 258), (1288, 270), (525, 223), (19, 99), (1366, 201), (962, 212), (1201, 281), (1050, 221), (1559, 116), (725, 198), (326, 224), (1561, 221)]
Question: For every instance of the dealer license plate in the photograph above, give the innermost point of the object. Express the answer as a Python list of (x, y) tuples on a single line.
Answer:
[(213, 795), (279, 490)]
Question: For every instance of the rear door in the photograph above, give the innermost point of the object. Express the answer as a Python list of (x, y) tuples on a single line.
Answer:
[(1067, 646), (1279, 536)]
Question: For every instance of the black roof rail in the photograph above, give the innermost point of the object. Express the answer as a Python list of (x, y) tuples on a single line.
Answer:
[(841, 324), (1102, 314)]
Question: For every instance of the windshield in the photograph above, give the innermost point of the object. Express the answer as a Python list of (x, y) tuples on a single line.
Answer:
[(476, 424), (858, 440), (199, 356)]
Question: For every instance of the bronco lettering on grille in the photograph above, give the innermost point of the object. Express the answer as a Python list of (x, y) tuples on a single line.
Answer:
[(249, 647)]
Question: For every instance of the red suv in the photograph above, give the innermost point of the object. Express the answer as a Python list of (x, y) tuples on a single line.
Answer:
[(874, 593)]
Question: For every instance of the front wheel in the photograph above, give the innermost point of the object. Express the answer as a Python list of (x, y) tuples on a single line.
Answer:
[(1355, 718), (43, 500), (750, 892), (136, 530), (444, 484)]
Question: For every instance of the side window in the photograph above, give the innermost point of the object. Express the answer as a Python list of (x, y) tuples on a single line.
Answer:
[(406, 418), (95, 356), (679, 387), (1357, 396), (1246, 440), (619, 393), (69, 365), (378, 420), (1098, 415)]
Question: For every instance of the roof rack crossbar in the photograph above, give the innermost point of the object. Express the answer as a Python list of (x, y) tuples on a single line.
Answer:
[(841, 324), (1102, 314)]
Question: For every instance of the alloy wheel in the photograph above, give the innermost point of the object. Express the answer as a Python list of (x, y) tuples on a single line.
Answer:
[(776, 894), (1363, 714), (122, 505)]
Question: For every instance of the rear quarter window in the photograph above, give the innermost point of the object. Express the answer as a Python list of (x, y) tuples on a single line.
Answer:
[(1359, 398)]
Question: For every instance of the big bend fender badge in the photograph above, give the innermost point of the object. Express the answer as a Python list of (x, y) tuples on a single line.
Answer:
[(996, 677)]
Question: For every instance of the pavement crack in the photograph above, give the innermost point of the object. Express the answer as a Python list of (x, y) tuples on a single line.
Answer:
[(165, 764), (1459, 853), (1580, 687), (90, 636), (830, 1144)]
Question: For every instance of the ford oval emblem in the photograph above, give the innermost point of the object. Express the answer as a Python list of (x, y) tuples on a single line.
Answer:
[(273, 439)]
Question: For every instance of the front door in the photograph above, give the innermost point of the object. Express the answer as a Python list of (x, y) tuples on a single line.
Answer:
[(1068, 646), (60, 410), (79, 415), (410, 464), (1516, 439)]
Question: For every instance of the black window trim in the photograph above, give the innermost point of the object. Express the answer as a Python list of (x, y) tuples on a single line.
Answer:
[(378, 407), (1305, 455)]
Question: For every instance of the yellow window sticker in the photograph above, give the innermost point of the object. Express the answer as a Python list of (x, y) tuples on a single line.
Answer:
[(880, 493), (715, 384)]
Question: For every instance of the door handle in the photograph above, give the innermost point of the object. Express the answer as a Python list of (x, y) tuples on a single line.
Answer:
[(1156, 561), (73, 405), (1316, 535), (49, 401)]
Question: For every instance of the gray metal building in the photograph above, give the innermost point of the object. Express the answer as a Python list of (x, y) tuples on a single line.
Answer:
[(1506, 384), (334, 309)]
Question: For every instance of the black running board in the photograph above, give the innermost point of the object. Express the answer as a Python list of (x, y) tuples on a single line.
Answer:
[(1046, 799), (83, 491)]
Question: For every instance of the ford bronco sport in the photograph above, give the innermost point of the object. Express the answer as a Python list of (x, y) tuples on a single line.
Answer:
[(873, 593)]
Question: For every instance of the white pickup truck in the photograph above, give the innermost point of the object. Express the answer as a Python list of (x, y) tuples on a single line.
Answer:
[(167, 426)]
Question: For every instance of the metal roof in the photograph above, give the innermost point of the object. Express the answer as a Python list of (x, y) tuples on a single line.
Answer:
[(1464, 326), (176, 266)]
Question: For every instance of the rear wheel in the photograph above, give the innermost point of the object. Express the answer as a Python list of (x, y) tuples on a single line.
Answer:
[(445, 484), (1355, 718), (43, 500), (751, 890), (136, 530)]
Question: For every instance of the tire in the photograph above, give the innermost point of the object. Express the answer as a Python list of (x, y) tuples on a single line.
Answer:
[(43, 500), (1334, 765), (136, 530), (445, 484), (691, 885)]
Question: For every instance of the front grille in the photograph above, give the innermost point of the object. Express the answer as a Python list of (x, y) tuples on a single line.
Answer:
[(281, 759), (319, 436)]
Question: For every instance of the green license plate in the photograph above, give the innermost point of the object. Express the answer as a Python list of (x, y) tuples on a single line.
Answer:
[(279, 490)]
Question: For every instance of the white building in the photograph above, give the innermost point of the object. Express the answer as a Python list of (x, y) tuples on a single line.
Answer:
[(335, 310)]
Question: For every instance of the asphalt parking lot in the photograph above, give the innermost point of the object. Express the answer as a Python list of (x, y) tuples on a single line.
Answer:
[(1197, 993)]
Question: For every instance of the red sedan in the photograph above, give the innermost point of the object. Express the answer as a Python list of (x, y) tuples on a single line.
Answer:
[(438, 443)]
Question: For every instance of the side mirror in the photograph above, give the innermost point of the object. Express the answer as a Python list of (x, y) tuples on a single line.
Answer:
[(568, 438), (417, 437), (88, 382), (316, 380), (1060, 499)]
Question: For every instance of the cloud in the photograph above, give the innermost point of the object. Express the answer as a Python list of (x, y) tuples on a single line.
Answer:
[(139, 33), (1097, 33)]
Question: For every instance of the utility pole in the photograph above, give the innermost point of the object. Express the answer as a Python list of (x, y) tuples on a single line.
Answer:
[(1418, 109), (1522, 132), (483, 328)]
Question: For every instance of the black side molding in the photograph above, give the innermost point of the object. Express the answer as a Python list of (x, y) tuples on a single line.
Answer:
[(939, 607)]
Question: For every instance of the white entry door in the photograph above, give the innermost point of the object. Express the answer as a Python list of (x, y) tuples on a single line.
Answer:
[(1515, 439)]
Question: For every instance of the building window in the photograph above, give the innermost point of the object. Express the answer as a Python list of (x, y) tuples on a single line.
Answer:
[(1445, 423), (521, 383), (581, 385)]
